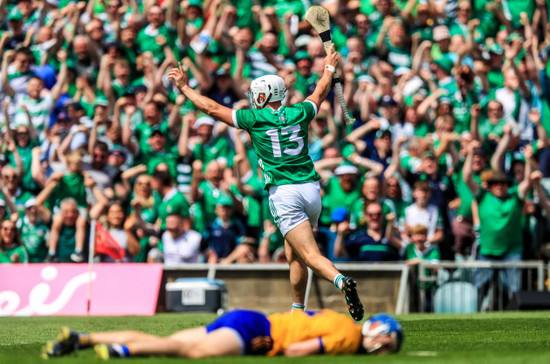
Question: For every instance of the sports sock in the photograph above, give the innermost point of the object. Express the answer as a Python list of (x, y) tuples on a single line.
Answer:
[(297, 307), (84, 340), (78, 251), (339, 281), (51, 252), (120, 350)]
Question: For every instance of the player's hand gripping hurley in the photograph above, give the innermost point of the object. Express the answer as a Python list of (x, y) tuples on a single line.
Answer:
[(318, 17)]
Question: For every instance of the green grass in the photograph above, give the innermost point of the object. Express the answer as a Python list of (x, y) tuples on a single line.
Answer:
[(511, 337)]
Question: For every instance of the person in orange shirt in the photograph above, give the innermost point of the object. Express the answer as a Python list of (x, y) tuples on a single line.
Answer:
[(243, 332)]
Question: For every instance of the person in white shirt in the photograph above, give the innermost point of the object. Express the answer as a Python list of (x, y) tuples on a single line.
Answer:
[(423, 213), (180, 244)]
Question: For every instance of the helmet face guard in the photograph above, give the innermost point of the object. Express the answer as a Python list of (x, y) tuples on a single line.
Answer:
[(383, 324), (272, 86)]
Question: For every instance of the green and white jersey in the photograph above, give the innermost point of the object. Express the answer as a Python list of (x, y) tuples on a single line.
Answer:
[(19, 250), (18, 81), (39, 109), (280, 139), (34, 237)]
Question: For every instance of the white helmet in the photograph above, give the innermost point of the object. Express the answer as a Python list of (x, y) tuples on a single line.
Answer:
[(272, 86)]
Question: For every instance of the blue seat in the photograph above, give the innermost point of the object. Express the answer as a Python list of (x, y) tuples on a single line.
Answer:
[(455, 297)]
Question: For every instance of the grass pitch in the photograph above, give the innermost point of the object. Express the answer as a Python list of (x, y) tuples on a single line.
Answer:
[(510, 337)]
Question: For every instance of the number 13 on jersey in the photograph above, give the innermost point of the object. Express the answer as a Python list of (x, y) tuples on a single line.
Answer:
[(294, 137)]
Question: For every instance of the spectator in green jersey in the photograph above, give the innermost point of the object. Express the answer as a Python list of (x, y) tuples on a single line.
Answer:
[(10, 244), (34, 232)]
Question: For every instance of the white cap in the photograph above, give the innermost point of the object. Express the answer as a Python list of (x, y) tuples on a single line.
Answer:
[(441, 32), (2, 203), (30, 202), (303, 40), (204, 120), (399, 71), (346, 169)]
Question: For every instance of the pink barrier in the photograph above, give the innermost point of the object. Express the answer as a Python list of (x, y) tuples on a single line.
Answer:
[(62, 289)]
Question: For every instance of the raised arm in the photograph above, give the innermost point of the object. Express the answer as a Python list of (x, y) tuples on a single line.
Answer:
[(6, 59), (339, 243), (323, 86), (390, 235), (395, 159), (37, 171), (183, 140), (525, 185), (374, 168), (536, 176), (174, 119), (104, 82), (43, 196), (197, 177), (203, 103), (62, 78), (425, 105), (14, 213), (510, 54), (467, 169), (100, 200), (500, 152), (32, 131), (127, 130), (475, 112), (149, 229), (542, 141)]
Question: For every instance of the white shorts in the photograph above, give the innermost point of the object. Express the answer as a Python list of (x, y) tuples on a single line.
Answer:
[(291, 205)]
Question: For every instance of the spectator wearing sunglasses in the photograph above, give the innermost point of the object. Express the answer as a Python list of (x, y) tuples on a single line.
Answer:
[(378, 243)]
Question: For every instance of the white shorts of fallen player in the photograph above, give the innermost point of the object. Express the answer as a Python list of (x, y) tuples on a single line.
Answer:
[(291, 205)]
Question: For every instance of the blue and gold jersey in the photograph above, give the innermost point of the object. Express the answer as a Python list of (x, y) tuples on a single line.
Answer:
[(337, 333)]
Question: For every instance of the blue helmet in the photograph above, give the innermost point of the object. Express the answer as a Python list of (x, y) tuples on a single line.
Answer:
[(383, 324)]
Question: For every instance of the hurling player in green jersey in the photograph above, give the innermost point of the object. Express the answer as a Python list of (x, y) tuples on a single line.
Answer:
[(279, 135)]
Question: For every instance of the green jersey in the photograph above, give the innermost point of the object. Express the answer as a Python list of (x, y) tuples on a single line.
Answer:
[(218, 148), (500, 220), (143, 132), (13, 250), (210, 196), (71, 185), (66, 244), (466, 196), (4, 259), (280, 139), (34, 237), (334, 196), (431, 254), (486, 128), (173, 201), (148, 40)]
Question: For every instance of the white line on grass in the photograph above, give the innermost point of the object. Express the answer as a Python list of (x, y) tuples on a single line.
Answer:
[(422, 353)]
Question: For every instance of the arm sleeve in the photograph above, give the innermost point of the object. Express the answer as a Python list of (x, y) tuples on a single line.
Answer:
[(310, 109), (243, 119)]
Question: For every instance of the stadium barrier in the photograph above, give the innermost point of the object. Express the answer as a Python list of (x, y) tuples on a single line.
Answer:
[(476, 286), (383, 287)]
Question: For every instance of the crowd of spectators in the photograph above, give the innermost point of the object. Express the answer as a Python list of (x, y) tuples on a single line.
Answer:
[(448, 156)]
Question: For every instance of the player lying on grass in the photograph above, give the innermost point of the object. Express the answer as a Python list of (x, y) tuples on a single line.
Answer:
[(243, 332), (279, 134)]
